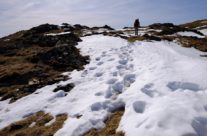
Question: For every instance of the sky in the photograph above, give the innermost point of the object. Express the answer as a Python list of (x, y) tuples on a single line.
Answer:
[(17, 15)]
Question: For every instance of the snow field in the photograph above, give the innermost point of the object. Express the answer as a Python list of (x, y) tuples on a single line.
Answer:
[(190, 34), (161, 85)]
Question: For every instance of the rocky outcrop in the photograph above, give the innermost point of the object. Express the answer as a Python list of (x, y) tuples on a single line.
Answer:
[(32, 59), (169, 28)]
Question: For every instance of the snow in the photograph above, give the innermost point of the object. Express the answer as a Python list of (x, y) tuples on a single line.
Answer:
[(204, 31), (204, 22), (142, 31), (55, 34), (190, 34), (161, 85), (6, 40), (32, 124)]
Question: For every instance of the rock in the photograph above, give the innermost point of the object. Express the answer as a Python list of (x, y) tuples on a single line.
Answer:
[(67, 27), (63, 58), (33, 81), (65, 88), (167, 28), (151, 37), (16, 78), (14, 126), (80, 27), (41, 29), (103, 27), (161, 26), (107, 27)]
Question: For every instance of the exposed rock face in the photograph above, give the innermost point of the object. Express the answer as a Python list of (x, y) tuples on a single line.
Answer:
[(63, 58), (34, 54), (42, 29)]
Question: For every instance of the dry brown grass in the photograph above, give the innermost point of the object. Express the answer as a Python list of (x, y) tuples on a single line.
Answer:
[(13, 37), (112, 124), (195, 24), (23, 128), (135, 38), (200, 44), (17, 70)]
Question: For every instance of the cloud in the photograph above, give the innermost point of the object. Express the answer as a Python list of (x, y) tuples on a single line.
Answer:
[(17, 15)]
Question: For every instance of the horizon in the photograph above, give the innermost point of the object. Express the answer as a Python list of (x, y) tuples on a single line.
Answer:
[(21, 15)]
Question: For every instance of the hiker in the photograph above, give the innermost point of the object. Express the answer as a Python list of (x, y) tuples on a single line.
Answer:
[(136, 26)]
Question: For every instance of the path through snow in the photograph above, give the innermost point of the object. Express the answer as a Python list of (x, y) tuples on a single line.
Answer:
[(161, 85)]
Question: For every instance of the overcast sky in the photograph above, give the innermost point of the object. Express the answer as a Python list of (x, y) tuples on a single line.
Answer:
[(23, 14)]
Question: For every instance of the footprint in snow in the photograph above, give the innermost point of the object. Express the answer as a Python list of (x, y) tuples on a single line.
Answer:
[(98, 94), (104, 52), (98, 74), (199, 124), (173, 86), (85, 72), (120, 67), (129, 79), (123, 61), (115, 73), (118, 87), (111, 81), (139, 106), (148, 90), (98, 58), (112, 59), (58, 94), (92, 68), (130, 51), (205, 107), (100, 63), (107, 105)]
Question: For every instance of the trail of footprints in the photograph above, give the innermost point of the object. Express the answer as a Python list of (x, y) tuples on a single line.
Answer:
[(121, 78)]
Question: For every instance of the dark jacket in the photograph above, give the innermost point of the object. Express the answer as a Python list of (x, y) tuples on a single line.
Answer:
[(136, 23)]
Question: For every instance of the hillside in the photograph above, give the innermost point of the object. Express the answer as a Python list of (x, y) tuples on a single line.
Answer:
[(199, 24), (74, 80)]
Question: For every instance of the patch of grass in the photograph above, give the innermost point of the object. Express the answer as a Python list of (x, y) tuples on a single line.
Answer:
[(13, 37), (200, 44), (28, 55), (192, 25), (23, 128), (135, 38), (112, 124)]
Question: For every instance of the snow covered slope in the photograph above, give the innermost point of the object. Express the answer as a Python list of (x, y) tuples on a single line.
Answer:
[(161, 85)]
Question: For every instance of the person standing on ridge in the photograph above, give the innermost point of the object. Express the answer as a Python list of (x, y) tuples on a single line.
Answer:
[(136, 26)]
